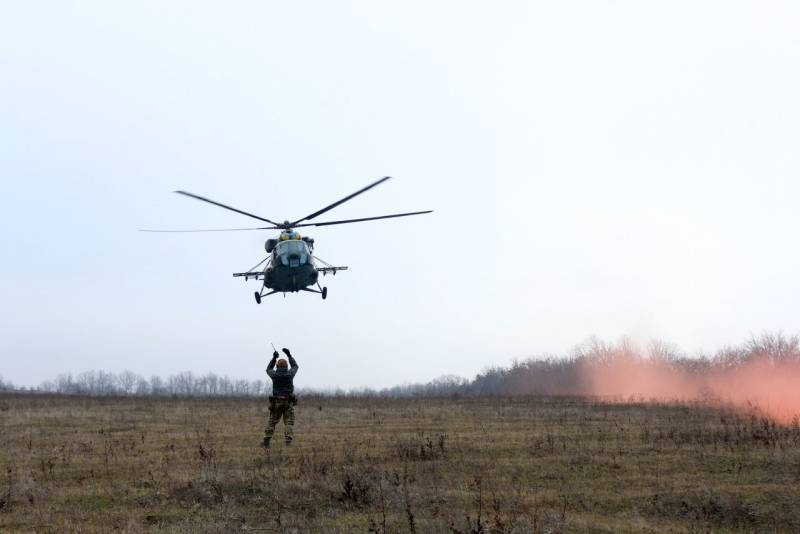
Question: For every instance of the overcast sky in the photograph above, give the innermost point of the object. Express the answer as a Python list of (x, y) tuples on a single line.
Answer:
[(597, 168)]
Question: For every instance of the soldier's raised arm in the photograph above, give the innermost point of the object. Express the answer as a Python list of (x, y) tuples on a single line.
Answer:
[(271, 366), (292, 362)]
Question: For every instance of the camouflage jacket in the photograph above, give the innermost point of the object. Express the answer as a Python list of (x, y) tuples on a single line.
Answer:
[(282, 379)]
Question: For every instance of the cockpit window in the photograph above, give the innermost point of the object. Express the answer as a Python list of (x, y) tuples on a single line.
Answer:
[(293, 253)]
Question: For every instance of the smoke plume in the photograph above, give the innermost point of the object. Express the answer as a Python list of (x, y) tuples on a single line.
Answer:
[(762, 376)]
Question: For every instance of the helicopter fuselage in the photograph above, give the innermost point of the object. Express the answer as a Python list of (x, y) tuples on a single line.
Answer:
[(292, 267)]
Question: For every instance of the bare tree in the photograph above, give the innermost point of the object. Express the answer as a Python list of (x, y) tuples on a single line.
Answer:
[(5, 386), (142, 387), (182, 383), (157, 386), (127, 381)]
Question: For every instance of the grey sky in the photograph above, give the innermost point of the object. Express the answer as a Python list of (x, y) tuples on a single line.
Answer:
[(597, 168)]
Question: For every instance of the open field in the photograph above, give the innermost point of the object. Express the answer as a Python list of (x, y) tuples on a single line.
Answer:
[(523, 464)]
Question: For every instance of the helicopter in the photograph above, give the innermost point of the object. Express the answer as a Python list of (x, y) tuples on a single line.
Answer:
[(290, 265)]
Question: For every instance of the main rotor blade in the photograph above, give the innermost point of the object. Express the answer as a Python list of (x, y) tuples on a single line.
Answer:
[(211, 230), (364, 219), (345, 199), (204, 199)]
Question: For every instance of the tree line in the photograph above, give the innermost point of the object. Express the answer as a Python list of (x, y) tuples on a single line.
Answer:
[(577, 373), (128, 383), (546, 375)]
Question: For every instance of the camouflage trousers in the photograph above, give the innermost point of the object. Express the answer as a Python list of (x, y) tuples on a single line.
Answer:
[(280, 408)]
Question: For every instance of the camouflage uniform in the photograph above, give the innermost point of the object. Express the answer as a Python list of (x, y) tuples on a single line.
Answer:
[(282, 401), (280, 408)]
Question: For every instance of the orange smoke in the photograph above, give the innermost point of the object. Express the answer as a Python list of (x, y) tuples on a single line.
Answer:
[(759, 377)]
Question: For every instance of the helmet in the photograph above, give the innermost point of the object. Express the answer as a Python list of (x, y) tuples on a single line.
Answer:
[(282, 364)]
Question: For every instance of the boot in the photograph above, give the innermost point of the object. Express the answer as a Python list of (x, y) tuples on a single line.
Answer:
[(288, 440), (265, 443)]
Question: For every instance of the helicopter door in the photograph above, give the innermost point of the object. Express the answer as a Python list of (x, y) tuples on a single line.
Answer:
[(292, 253)]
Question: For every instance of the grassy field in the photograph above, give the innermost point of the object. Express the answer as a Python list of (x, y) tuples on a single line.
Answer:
[(467, 465)]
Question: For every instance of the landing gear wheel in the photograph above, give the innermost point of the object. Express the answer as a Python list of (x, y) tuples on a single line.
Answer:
[(324, 293), (258, 297)]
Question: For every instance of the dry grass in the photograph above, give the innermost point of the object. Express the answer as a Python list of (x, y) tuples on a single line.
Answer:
[(468, 465)]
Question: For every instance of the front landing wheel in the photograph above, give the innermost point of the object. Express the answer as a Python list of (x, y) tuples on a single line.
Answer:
[(324, 293), (258, 297)]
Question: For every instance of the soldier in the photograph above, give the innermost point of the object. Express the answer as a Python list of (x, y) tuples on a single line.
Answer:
[(282, 400)]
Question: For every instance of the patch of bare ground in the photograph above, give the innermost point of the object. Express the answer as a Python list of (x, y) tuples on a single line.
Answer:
[(459, 465)]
